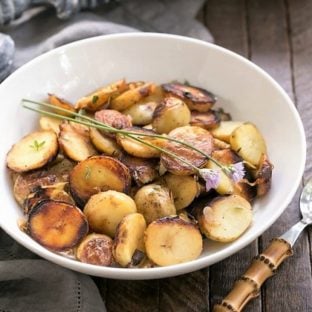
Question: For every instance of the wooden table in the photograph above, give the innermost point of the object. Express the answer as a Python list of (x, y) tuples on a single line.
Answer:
[(276, 35)]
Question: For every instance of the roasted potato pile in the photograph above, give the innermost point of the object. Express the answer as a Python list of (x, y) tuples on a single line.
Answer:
[(114, 200)]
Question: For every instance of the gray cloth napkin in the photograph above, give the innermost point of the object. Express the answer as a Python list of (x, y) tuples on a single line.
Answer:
[(28, 283)]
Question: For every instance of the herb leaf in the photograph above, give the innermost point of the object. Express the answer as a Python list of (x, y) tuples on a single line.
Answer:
[(36, 145), (95, 99)]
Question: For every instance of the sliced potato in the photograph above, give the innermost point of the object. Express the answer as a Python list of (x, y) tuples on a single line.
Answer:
[(143, 171), (141, 113), (225, 129), (184, 189), (113, 118), (75, 141), (196, 98), (50, 123), (33, 151), (218, 144), (95, 249), (208, 120), (171, 113), (172, 240), (56, 225), (54, 192), (105, 210), (129, 237), (104, 144), (196, 137), (245, 190), (225, 218), (154, 201), (61, 103), (97, 99), (132, 96), (139, 149), (96, 174), (248, 142)]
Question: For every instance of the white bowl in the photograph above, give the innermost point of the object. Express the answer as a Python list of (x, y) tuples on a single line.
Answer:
[(243, 89)]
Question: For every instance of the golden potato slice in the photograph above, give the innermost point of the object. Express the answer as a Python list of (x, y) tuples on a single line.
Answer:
[(143, 171), (184, 189), (132, 96), (154, 201), (172, 240), (208, 120), (113, 118), (196, 137), (129, 237), (218, 144), (97, 174), (139, 149), (50, 123), (248, 142), (171, 113), (105, 210), (61, 103), (141, 113), (54, 192), (97, 99), (95, 249), (225, 218), (225, 129), (56, 225), (75, 141), (33, 151), (245, 190), (196, 98), (104, 144)]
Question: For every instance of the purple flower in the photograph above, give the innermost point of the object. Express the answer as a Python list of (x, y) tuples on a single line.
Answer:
[(236, 171), (211, 178)]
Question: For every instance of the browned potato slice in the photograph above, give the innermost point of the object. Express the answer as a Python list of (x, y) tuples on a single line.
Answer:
[(97, 99), (75, 141), (172, 240), (248, 142), (96, 174), (132, 96), (50, 123), (54, 192), (33, 151), (225, 218), (113, 118), (56, 225), (105, 210), (196, 98), (129, 238), (143, 171), (184, 189), (104, 144), (246, 190), (208, 120), (58, 102), (141, 113), (95, 249), (154, 201), (225, 129), (171, 113), (218, 144), (195, 136), (138, 149), (263, 176)]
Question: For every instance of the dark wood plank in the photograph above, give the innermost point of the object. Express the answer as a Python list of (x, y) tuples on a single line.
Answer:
[(132, 296), (226, 19), (290, 289), (187, 293)]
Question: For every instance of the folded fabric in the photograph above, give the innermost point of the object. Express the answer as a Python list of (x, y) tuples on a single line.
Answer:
[(28, 283)]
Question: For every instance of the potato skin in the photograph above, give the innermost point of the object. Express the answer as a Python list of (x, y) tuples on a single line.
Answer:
[(154, 201), (208, 120), (105, 210), (96, 174)]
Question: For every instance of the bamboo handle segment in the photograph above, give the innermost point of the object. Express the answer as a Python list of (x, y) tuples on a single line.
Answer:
[(262, 267)]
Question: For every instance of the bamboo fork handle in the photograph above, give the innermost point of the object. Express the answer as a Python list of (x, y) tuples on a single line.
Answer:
[(262, 267)]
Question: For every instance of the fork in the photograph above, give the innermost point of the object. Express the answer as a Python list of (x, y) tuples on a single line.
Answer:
[(264, 265)]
